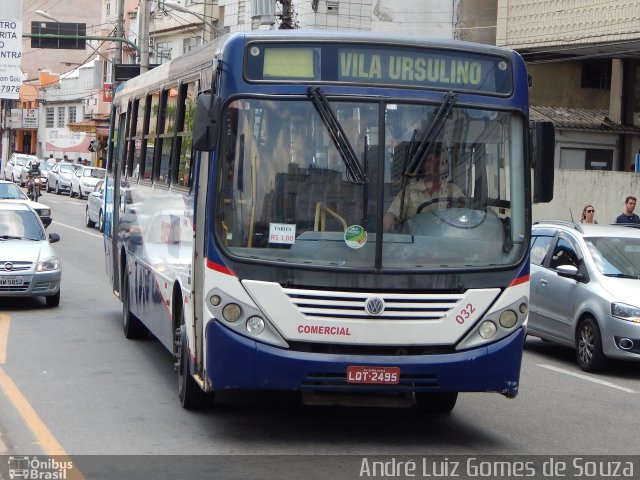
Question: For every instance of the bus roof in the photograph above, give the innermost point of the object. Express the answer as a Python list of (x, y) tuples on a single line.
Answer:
[(202, 58)]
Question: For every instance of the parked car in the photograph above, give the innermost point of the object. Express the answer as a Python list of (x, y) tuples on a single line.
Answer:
[(15, 166), (45, 168), (59, 177), (30, 266), (94, 214), (84, 180), (9, 191), (585, 280)]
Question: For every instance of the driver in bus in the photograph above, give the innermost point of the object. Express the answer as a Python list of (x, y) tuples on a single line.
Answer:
[(433, 186)]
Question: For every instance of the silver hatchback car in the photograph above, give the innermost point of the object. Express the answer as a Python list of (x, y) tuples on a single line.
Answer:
[(29, 266), (585, 290)]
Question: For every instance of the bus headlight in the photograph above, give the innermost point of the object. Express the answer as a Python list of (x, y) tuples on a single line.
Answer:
[(214, 300), (524, 308), (508, 318), (487, 330), (231, 312), (255, 325)]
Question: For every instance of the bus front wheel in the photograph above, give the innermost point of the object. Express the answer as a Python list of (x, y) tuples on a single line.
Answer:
[(189, 392), (437, 402)]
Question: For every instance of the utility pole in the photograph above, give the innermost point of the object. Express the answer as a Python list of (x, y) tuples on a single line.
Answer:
[(286, 19), (144, 36), (119, 34)]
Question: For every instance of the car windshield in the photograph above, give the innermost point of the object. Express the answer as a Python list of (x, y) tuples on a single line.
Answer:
[(290, 192), (20, 225), (93, 172), (68, 168), (10, 191), (616, 256)]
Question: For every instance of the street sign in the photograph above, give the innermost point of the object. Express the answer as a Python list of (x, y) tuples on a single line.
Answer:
[(71, 31), (126, 71)]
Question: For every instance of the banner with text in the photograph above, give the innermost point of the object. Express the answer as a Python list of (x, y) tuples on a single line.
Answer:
[(10, 58)]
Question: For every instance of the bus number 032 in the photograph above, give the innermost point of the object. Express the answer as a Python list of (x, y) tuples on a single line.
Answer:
[(465, 313)]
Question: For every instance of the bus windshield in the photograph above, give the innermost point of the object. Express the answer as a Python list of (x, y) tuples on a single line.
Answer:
[(442, 188)]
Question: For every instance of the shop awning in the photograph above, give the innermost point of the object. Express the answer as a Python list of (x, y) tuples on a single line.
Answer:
[(98, 125)]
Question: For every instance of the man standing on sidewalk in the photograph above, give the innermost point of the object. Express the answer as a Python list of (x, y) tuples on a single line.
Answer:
[(628, 216)]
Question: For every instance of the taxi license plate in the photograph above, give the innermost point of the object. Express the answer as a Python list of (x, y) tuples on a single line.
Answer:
[(376, 375), (10, 281)]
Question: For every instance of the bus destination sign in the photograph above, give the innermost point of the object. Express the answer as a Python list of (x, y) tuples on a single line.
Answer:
[(364, 64)]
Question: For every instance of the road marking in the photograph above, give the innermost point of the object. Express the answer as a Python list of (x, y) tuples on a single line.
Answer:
[(42, 434), (78, 230), (586, 377), (5, 321)]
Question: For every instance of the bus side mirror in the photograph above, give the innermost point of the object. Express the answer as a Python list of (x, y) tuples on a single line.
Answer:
[(206, 122), (543, 145)]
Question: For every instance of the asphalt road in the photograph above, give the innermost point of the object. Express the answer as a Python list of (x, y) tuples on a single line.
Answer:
[(73, 385)]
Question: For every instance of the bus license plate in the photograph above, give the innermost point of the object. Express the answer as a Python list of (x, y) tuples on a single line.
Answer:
[(10, 281), (366, 374)]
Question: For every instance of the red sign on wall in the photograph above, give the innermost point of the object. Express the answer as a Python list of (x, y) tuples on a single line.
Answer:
[(107, 93)]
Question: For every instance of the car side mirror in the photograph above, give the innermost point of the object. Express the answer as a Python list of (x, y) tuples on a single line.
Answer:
[(54, 237), (568, 271)]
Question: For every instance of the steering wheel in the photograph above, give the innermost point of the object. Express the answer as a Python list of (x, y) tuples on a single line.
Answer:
[(450, 201)]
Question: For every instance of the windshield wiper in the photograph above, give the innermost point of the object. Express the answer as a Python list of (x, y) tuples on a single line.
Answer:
[(621, 275), (435, 127), (10, 237), (355, 172), (413, 159)]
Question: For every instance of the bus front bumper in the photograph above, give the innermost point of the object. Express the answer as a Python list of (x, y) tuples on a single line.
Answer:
[(237, 362)]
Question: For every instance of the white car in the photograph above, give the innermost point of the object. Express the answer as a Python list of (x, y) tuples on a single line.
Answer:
[(85, 179), (10, 192), (30, 266), (59, 177), (94, 214), (15, 165)]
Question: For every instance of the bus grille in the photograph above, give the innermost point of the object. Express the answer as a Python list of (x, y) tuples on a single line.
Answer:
[(321, 304)]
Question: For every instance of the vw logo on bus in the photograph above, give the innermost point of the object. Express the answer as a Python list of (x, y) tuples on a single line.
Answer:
[(374, 305)]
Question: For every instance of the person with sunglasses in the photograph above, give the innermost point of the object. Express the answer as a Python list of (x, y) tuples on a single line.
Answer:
[(587, 214)]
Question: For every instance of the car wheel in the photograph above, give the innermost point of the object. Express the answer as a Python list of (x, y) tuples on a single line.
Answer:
[(58, 191), (436, 402), (131, 325), (53, 300), (189, 392), (100, 221), (589, 346), (87, 219)]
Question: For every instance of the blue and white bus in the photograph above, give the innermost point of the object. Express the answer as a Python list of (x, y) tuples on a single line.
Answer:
[(250, 183)]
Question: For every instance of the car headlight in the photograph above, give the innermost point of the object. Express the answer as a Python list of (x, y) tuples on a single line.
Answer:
[(49, 264), (626, 312), (44, 212)]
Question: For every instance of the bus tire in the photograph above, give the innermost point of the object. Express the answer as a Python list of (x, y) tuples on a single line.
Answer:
[(436, 402), (131, 325), (191, 396)]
